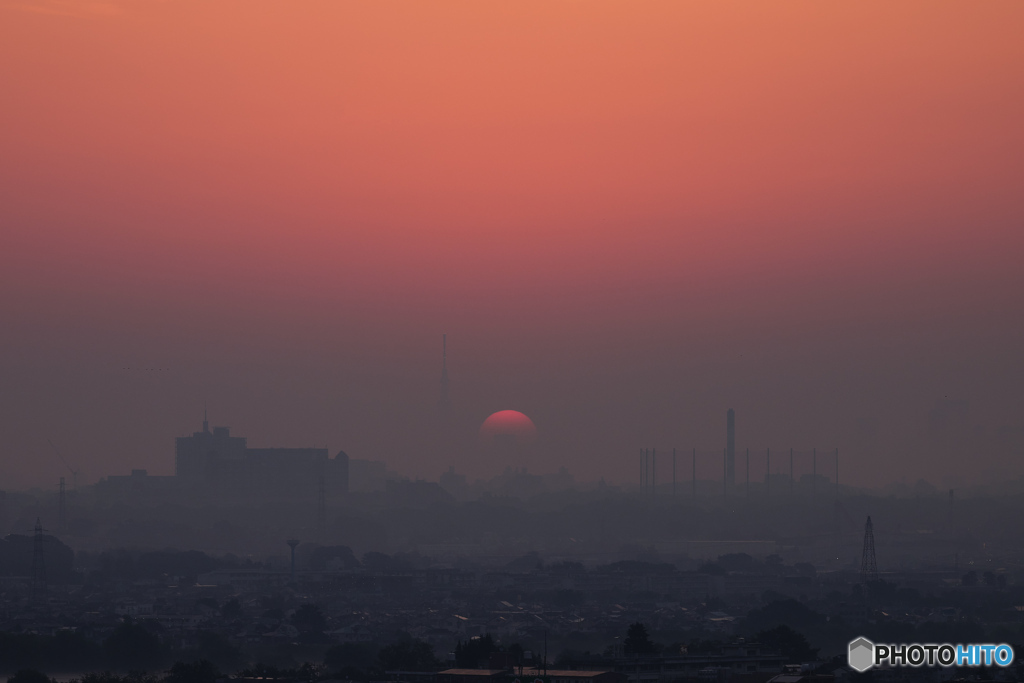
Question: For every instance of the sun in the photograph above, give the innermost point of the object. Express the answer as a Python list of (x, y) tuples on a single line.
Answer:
[(508, 425)]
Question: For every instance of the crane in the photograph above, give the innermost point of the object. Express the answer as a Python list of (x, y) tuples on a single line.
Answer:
[(74, 472)]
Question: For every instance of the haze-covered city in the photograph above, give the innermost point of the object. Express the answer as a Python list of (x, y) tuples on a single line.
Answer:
[(511, 342)]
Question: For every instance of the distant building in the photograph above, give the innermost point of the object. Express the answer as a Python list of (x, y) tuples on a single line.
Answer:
[(138, 485), (367, 475), (217, 461)]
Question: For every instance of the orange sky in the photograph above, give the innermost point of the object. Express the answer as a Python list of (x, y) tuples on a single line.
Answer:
[(596, 200)]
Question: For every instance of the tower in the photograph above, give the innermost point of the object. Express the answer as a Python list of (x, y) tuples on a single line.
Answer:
[(444, 403), (38, 564), (868, 566), (62, 514), (292, 542), (730, 448)]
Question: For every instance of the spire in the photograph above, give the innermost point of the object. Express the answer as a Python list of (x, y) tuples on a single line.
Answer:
[(206, 424), (444, 403)]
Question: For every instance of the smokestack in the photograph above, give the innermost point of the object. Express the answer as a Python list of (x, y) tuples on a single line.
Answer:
[(292, 542)]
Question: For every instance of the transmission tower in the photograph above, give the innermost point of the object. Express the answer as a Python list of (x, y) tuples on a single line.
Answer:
[(868, 566), (38, 564), (62, 510)]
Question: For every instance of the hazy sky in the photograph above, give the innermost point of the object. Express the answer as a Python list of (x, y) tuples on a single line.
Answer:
[(626, 216)]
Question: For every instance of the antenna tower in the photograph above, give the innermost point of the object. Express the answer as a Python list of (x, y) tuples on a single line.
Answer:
[(868, 566), (38, 564)]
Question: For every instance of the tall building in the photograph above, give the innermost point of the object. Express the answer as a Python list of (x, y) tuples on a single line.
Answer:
[(218, 463), (730, 448)]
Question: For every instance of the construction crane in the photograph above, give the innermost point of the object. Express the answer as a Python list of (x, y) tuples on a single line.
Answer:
[(74, 472)]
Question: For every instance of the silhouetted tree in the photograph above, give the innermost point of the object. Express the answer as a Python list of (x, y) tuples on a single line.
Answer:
[(637, 641), (470, 654)]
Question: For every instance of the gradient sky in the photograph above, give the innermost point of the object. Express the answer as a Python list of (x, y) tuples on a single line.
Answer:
[(627, 217)]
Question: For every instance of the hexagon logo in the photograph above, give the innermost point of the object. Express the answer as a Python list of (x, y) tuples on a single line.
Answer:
[(861, 656)]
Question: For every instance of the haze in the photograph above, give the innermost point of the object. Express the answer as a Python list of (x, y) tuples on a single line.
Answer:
[(627, 218)]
